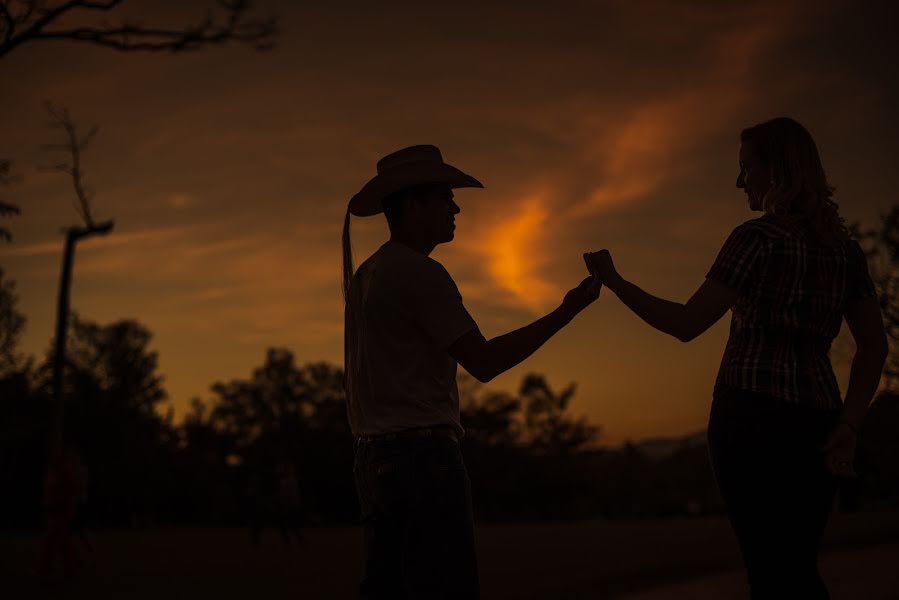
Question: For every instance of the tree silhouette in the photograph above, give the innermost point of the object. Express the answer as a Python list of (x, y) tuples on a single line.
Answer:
[(114, 397), (548, 428), (12, 325), (270, 409), (15, 374), (286, 414), (73, 145), (881, 245), (490, 418), (30, 21), (117, 359)]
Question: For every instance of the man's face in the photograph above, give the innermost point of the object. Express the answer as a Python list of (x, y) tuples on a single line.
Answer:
[(435, 214)]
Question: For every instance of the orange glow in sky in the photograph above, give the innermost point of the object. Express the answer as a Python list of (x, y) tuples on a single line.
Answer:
[(514, 255)]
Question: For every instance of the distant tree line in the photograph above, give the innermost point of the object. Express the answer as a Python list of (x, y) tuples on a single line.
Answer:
[(528, 457)]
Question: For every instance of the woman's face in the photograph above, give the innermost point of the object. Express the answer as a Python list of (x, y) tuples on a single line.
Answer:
[(754, 177)]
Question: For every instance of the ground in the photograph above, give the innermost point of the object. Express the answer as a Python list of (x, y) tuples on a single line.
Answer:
[(636, 560)]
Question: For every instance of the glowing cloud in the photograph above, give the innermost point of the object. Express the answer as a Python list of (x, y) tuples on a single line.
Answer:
[(512, 256), (637, 156)]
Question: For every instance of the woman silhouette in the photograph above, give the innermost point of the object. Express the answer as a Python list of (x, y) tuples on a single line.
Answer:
[(779, 435)]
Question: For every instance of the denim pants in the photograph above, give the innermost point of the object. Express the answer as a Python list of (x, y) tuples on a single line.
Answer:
[(415, 497), (768, 464)]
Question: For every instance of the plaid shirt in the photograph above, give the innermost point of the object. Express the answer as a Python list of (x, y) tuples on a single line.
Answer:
[(793, 293)]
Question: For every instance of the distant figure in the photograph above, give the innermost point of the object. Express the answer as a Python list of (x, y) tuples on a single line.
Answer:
[(779, 434), (289, 505), (60, 498), (79, 523), (253, 497), (406, 328), (272, 497)]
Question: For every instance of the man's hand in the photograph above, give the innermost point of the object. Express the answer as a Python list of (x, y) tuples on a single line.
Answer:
[(579, 298), (839, 451)]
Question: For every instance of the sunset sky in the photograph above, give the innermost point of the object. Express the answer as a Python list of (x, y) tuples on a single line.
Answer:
[(592, 125)]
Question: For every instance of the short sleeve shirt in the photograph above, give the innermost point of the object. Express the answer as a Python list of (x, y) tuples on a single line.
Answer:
[(793, 292), (403, 312)]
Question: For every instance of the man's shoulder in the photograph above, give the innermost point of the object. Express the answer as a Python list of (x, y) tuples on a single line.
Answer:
[(395, 266), (399, 259)]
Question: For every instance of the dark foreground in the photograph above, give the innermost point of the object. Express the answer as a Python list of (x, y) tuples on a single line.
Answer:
[(856, 573), (646, 560)]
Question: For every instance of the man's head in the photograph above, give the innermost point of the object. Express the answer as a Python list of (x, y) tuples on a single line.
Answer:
[(424, 213), (413, 187)]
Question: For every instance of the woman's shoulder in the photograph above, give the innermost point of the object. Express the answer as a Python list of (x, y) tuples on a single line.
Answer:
[(776, 225), (780, 227), (759, 228), (796, 228)]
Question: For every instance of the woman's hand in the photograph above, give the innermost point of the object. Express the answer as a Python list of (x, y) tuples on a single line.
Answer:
[(600, 264), (839, 451)]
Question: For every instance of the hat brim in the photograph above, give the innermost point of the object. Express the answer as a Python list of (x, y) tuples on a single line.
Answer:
[(369, 200)]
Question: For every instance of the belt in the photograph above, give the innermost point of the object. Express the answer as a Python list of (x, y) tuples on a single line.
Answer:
[(417, 433)]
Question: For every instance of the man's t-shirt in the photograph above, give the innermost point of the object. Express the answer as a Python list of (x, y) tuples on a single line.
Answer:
[(403, 312)]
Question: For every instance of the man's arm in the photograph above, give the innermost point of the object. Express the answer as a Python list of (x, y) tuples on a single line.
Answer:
[(486, 359)]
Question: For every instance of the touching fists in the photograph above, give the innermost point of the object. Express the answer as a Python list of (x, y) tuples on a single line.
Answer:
[(600, 265)]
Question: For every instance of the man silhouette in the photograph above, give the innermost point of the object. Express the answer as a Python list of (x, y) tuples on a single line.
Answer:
[(406, 329)]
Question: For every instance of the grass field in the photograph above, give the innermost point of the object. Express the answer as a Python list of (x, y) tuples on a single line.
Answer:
[(637, 560)]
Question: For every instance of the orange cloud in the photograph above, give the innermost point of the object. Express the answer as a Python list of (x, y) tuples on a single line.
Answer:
[(641, 152), (512, 250)]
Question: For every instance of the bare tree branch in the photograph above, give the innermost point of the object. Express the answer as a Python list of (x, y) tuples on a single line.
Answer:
[(233, 25), (60, 119), (75, 145), (34, 27)]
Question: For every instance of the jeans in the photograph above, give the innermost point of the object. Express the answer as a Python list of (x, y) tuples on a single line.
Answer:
[(415, 497), (769, 467)]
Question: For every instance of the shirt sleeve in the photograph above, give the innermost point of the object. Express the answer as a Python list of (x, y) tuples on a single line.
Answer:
[(434, 302), (738, 257), (859, 281)]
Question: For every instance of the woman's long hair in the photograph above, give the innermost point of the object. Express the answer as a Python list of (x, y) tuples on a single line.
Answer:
[(799, 186)]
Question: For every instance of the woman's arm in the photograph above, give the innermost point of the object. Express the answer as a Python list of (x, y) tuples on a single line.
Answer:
[(866, 325), (683, 321)]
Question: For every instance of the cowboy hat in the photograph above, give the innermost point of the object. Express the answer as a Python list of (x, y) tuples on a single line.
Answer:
[(415, 165)]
